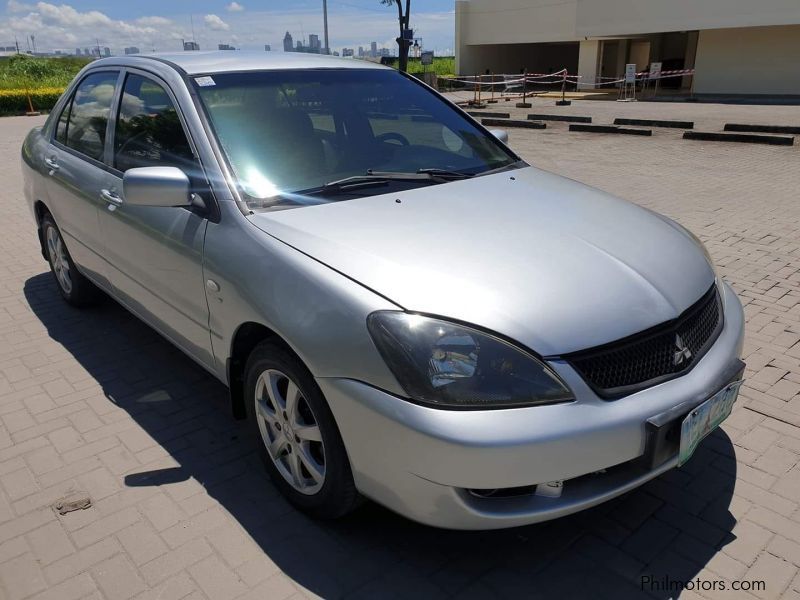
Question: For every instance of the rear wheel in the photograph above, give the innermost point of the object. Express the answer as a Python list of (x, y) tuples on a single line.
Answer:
[(299, 441), (76, 289)]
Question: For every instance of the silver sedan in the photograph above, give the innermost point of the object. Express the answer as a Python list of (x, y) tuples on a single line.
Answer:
[(401, 307)]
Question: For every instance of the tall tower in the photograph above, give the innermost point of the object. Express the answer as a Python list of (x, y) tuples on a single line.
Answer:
[(327, 48)]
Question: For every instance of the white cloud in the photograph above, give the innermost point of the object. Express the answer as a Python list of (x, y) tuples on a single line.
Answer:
[(153, 21), (234, 7), (215, 23), (14, 7), (62, 26)]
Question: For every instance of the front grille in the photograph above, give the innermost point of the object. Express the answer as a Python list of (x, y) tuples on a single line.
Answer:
[(653, 356)]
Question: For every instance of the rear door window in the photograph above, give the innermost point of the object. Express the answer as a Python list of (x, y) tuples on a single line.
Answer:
[(88, 115)]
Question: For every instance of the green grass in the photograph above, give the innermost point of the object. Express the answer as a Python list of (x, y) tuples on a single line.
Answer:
[(27, 72)]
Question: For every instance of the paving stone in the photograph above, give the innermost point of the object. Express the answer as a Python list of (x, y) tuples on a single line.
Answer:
[(79, 587), (216, 579), (49, 543), (747, 542), (175, 561), (178, 587), (118, 578), (141, 543), (104, 527), (81, 560), (774, 571), (19, 484), (21, 577), (43, 460), (785, 549)]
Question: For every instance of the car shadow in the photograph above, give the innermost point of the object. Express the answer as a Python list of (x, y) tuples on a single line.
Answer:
[(637, 545)]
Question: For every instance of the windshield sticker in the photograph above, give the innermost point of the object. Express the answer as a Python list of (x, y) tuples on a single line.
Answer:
[(204, 81)]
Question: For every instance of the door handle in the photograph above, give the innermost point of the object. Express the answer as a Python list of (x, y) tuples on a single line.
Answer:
[(52, 164), (110, 196)]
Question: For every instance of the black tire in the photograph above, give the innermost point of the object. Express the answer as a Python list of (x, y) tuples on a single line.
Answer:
[(338, 495), (80, 292)]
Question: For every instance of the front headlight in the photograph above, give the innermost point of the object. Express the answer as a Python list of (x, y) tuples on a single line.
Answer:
[(449, 365)]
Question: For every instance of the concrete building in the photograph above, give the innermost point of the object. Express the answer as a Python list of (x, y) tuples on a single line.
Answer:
[(225, 47), (288, 43), (735, 46), (267, 48), (131, 50), (191, 46)]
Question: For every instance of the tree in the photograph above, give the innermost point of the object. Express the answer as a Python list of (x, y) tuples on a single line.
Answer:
[(403, 43)]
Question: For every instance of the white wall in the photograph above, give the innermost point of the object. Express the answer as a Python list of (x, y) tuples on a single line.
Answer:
[(753, 60), (529, 21), (626, 17), (515, 21)]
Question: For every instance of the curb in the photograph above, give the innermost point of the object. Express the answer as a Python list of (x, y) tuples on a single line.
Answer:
[(567, 118), (774, 140), (655, 123), (514, 123), (497, 115), (610, 129), (762, 128)]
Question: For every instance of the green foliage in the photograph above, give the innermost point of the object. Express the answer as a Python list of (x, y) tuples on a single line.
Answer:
[(21, 71), (443, 66), (15, 102)]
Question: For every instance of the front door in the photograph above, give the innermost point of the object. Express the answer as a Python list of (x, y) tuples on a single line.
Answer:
[(155, 254)]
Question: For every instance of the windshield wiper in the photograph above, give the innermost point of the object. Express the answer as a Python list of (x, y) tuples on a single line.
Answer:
[(375, 178), (371, 178), (445, 174)]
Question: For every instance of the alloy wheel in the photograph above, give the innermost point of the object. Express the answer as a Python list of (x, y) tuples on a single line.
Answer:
[(59, 259), (290, 431)]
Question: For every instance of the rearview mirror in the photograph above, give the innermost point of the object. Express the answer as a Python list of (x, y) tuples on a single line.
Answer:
[(500, 134), (156, 186)]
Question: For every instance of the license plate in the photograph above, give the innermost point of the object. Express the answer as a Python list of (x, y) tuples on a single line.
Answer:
[(705, 418)]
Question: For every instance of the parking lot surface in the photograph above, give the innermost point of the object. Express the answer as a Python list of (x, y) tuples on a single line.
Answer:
[(94, 401)]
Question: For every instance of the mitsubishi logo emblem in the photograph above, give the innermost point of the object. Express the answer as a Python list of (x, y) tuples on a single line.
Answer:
[(682, 353)]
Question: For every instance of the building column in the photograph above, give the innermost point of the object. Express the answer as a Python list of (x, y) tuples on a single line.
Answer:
[(464, 63), (588, 62), (691, 55)]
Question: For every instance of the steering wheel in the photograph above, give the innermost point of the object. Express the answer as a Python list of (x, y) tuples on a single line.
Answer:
[(390, 136), (134, 142)]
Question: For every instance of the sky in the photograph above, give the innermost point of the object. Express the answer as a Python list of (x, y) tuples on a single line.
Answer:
[(246, 24)]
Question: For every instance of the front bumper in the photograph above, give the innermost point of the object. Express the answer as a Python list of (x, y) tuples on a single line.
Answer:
[(421, 462)]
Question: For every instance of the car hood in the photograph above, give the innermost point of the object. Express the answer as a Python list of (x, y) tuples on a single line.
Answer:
[(545, 260)]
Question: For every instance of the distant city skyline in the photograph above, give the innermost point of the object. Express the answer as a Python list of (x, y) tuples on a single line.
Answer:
[(244, 26)]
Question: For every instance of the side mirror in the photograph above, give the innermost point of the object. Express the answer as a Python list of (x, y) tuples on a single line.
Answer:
[(500, 134), (156, 186)]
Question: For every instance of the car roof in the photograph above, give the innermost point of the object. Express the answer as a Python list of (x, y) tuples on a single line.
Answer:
[(197, 62)]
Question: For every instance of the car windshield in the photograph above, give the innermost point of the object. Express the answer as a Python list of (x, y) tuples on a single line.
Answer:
[(289, 134)]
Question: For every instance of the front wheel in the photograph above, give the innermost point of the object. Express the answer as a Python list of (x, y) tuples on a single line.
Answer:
[(298, 438)]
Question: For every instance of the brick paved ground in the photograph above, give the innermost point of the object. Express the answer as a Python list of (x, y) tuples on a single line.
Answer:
[(95, 401)]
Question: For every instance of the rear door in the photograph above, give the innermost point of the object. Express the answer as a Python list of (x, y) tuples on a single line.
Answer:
[(155, 254), (76, 170)]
